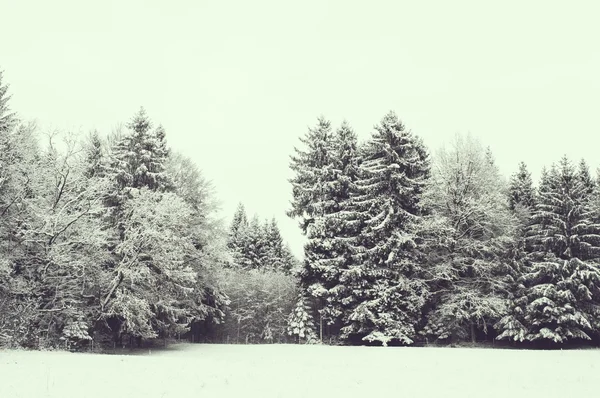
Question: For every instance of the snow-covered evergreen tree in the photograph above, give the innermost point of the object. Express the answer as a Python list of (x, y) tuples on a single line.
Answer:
[(256, 249), (311, 185), (95, 157), (561, 284), (140, 156), (8, 119), (386, 294), (341, 222), (142, 193), (313, 198), (301, 323), (237, 240), (276, 256), (584, 175), (521, 191)]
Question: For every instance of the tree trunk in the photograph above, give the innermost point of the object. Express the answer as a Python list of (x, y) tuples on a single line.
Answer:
[(473, 339), (321, 327)]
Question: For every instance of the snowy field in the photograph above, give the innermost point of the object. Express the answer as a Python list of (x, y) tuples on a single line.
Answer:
[(301, 371)]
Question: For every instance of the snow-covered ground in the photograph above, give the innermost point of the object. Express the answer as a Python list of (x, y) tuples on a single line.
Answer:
[(301, 371)]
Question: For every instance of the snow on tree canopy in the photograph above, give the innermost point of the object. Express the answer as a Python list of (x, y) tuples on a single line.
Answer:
[(387, 298)]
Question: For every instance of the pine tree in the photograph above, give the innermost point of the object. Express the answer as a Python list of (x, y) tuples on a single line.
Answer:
[(255, 250), (313, 198), (138, 203), (274, 247), (290, 263), (386, 293), (342, 222), (141, 155), (238, 236), (95, 158), (8, 119), (560, 286), (521, 189), (311, 184), (584, 175), (300, 322)]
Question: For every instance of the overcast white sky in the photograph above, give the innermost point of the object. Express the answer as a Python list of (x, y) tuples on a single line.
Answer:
[(235, 83)]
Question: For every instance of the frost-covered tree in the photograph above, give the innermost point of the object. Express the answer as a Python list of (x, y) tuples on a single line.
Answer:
[(584, 175), (256, 248), (260, 303), (143, 194), (65, 229), (278, 256), (238, 237), (561, 283), (313, 198), (300, 323), (95, 156), (151, 275), (386, 293), (521, 190), (341, 223), (19, 157), (140, 156), (468, 232), (8, 119), (207, 235), (258, 245), (238, 224), (311, 184)]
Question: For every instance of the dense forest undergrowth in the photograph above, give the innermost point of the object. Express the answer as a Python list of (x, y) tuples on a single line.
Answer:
[(113, 240)]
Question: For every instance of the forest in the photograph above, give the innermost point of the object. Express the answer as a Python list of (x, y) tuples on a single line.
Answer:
[(114, 239)]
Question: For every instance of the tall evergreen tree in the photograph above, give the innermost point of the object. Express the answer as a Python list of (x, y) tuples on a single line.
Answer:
[(584, 175), (94, 154), (521, 191), (238, 236), (311, 185), (561, 285), (256, 245), (141, 189), (313, 198), (386, 294), (341, 222), (8, 119), (141, 155)]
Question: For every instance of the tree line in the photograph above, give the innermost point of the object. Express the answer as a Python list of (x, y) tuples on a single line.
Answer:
[(404, 247), (113, 240)]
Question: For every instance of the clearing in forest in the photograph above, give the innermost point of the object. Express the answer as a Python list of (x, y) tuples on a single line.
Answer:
[(289, 371)]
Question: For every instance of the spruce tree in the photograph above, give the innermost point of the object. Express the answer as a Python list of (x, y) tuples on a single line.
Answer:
[(255, 251), (238, 236), (584, 175), (312, 190), (521, 191), (140, 156), (342, 222), (94, 156), (274, 247), (386, 294), (8, 119), (561, 283), (141, 189)]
